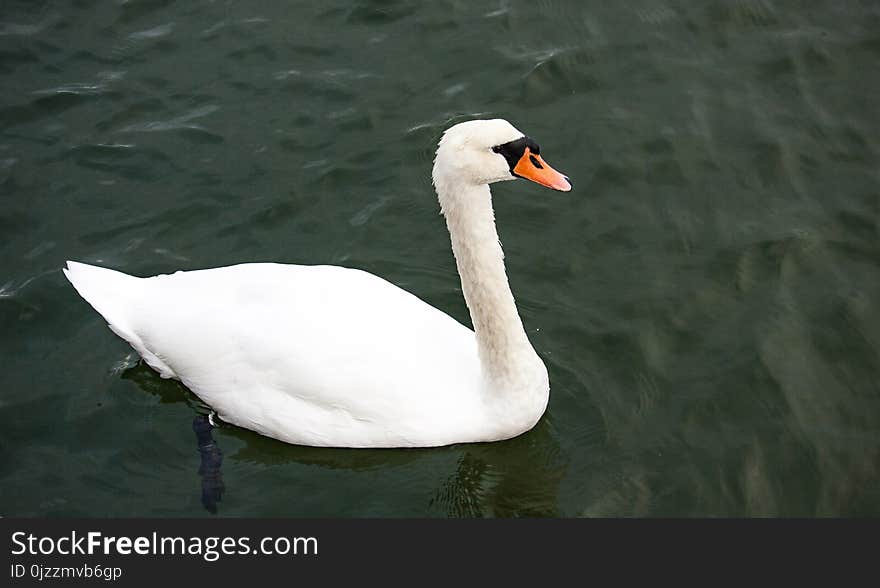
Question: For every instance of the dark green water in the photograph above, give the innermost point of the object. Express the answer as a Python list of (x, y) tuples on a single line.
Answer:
[(706, 298)]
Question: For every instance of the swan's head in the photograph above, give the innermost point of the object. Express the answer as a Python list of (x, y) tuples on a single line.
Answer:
[(487, 151)]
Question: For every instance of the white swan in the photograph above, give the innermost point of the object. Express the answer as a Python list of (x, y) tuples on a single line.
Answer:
[(332, 356)]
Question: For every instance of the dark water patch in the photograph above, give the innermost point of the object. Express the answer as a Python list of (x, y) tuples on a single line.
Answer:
[(378, 12), (261, 53), (610, 177), (200, 136), (88, 56), (768, 161), (555, 72), (335, 92), (871, 46), (858, 225), (313, 50), (13, 59), (864, 254), (30, 308), (273, 216), (126, 116), (667, 172), (742, 14), (162, 223), (852, 146), (7, 167), (658, 146), (777, 68), (817, 59), (130, 12), (125, 160), (22, 114)]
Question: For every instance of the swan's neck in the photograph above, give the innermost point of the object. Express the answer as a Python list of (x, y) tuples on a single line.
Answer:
[(507, 357)]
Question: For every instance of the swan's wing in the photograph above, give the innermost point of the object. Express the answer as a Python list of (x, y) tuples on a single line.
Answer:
[(325, 350)]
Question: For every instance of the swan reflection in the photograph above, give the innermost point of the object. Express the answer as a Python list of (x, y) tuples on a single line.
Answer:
[(515, 478), (210, 469)]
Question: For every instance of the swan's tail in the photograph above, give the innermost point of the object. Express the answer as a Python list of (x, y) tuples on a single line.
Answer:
[(105, 289), (113, 295)]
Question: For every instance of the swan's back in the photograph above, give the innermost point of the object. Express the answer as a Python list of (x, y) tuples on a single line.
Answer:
[(318, 355)]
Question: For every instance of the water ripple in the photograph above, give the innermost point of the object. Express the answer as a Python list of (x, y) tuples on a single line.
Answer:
[(183, 121), (153, 33), (105, 81)]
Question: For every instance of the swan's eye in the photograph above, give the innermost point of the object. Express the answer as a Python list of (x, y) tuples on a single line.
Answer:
[(514, 151)]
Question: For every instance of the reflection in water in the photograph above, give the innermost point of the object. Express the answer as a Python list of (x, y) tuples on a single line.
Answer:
[(212, 462), (172, 391), (168, 391), (515, 478)]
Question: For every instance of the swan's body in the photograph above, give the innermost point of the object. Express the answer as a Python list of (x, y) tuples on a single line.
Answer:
[(332, 356)]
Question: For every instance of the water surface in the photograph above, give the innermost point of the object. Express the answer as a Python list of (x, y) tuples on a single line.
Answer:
[(705, 299)]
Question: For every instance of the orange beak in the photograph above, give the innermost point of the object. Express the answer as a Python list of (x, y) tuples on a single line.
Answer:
[(532, 167)]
